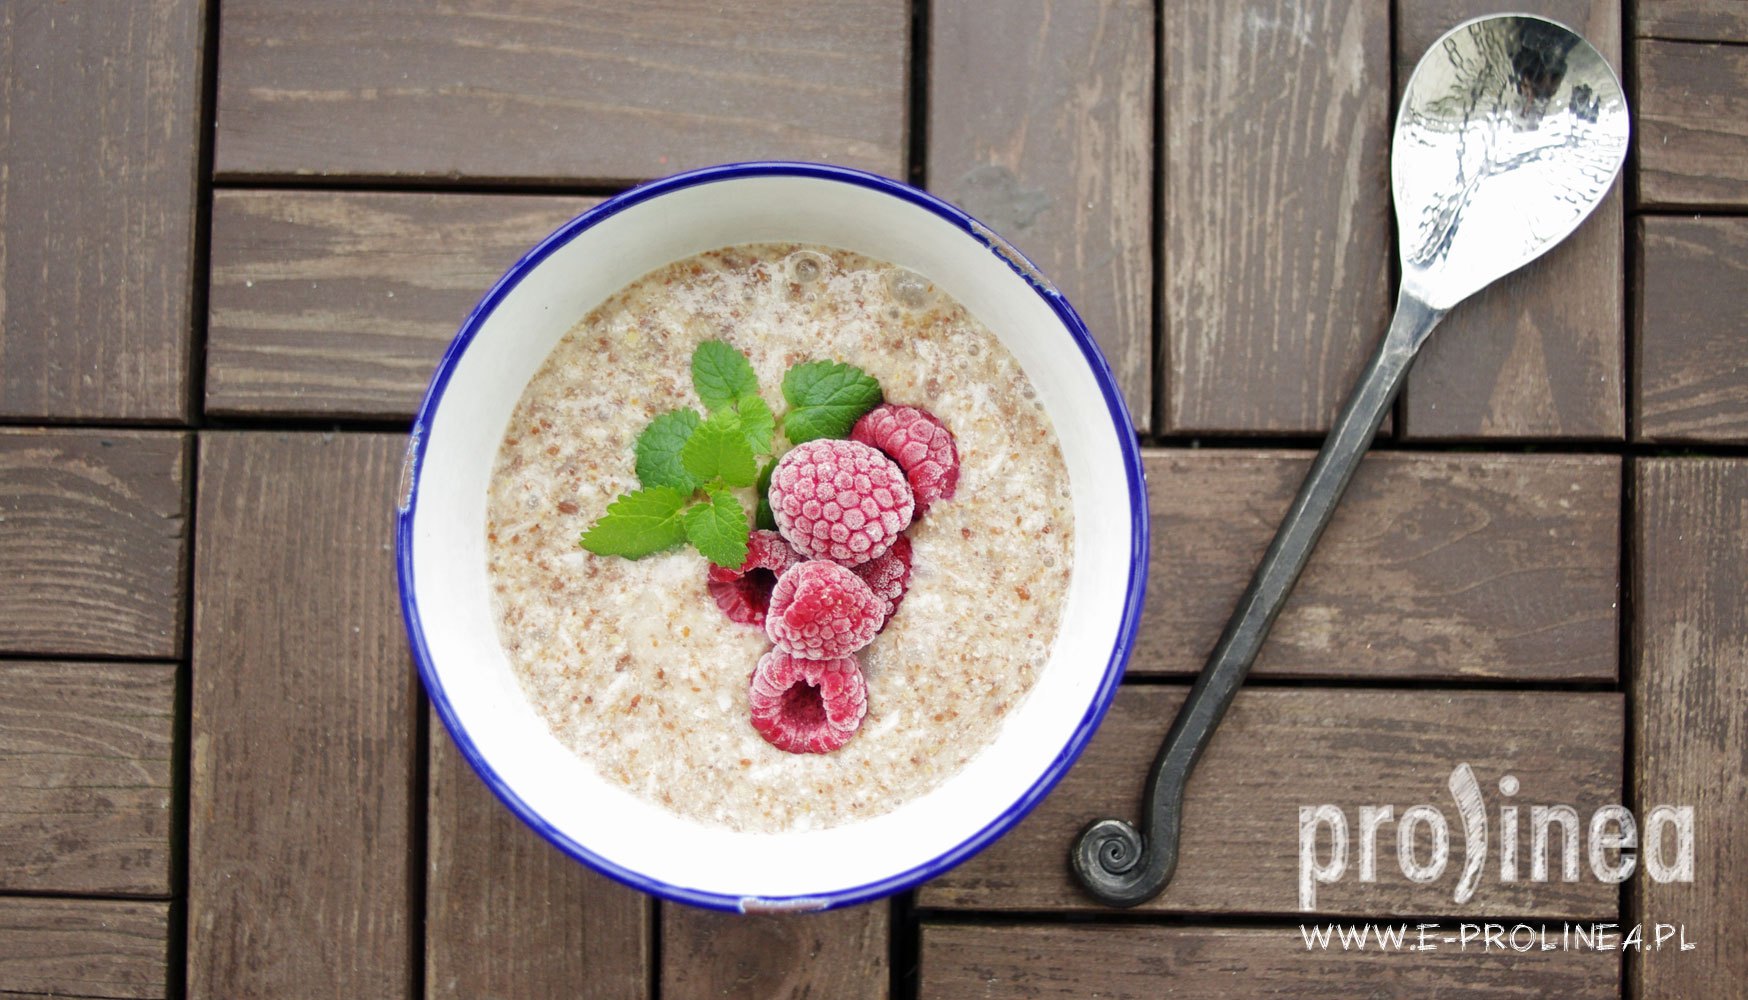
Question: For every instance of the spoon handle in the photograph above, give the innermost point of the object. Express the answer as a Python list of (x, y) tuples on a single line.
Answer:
[(1112, 859)]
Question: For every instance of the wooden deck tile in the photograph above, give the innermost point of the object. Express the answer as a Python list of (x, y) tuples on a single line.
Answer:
[(1691, 382), (304, 728), (841, 954), (92, 546), (1692, 20), (1690, 125), (1459, 565), (1280, 749), (1041, 125), (1690, 738), (84, 948), (99, 154), (557, 91)]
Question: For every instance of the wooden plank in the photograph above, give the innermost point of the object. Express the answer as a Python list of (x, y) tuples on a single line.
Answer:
[(301, 793), (1276, 209), (1691, 125), (1041, 126), (557, 90), (1119, 962), (340, 303), (1540, 353), (1692, 20), (93, 553), (1280, 749), (1459, 565), (84, 948), (99, 117), (1691, 382), (1690, 681), (507, 915), (840, 954), (85, 772)]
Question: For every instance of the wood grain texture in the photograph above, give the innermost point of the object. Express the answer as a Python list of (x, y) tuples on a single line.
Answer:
[(92, 551), (1276, 208), (1690, 736), (507, 915), (1041, 125), (85, 773), (1692, 20), (840, 954), (299, 862), (1691, 382), (1113, 962), (84, 948), (340, 303), (1279, 749), (1691, 125), (99, 155), (1541, 352), (1460, 565), (557, 89)]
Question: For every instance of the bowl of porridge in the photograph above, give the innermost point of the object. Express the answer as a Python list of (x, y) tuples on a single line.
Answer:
[(612, 703)]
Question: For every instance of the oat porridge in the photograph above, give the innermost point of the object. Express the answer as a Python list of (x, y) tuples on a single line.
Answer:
[(634, 664)]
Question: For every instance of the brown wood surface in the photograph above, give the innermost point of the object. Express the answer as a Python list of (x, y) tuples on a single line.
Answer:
[(1453, 565), (302, 776), (99, 153), (507, 915), (1041, 126), (1276, 209), (92, 542), (84, 948), (1692, 378), (1690, 125), (1278, 750), (547, 90), (1694, 20), (1690, 738), (85, 772), (979, 962), (340, 303), (839, 954)]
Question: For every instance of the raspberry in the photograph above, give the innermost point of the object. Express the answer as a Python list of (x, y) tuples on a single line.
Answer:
[(839, 500), (888, 576), (744, 594), (921, 445), (821, 610), (807, 706)]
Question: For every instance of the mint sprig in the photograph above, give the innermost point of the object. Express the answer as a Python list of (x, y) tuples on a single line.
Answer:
[(658, 451), (638, 524), (826, 398), (721, 375), (719, 450), (718, 528)]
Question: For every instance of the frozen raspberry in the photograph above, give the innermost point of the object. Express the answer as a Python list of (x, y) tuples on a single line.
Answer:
[(888, 576), (839, 500), (821, 610), (921, 445), (744, 594), (807, 706)]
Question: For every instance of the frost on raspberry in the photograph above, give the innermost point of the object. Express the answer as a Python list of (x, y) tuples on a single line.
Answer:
[(888, 576), (821, 610), (921, 445), (744, 594), (840, 500), (807, 706)]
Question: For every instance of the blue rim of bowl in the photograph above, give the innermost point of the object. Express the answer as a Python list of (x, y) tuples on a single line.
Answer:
[(1122, 426)]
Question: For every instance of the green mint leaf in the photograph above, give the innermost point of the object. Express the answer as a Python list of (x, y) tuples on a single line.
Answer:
[(826, 398), (718, 527), (718, 449), (658, 451), (757, 423), (722, 375), (638, 524), (766, 518)]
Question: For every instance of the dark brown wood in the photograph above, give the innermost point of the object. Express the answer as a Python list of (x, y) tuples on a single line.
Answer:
[(564, 90), (85, 772), (99, 128), (507, 915), (1691, 382), (1276, 209), (84, 948), (978, 962), (1279, 750), (1692, 20), (1690, 683), (841, 954), (304, 727), (1691, 125), (1459, 565), (1041, 126), (92, 548), (340, 304)]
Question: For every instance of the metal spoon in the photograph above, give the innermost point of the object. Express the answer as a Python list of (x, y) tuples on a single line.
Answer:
[(1511, 131)]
